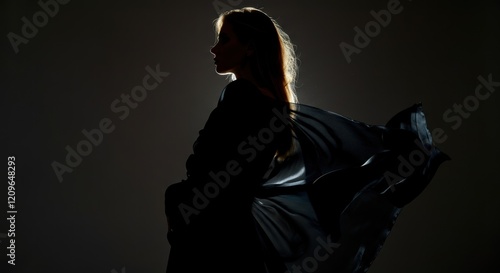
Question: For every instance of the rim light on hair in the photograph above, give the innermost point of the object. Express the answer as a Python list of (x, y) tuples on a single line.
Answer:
[(274, 63)]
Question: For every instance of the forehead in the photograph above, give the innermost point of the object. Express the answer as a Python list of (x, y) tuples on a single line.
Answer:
[(226, 29)]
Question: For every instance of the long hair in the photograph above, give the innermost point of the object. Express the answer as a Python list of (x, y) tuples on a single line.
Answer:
[(273, 62)]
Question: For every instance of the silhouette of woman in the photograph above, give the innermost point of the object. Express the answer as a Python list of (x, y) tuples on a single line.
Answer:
[(277, 186)]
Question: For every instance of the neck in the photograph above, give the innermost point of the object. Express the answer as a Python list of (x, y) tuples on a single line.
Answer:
[(263, 90)]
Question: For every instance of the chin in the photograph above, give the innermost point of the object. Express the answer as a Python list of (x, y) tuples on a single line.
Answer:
[(222, 71)]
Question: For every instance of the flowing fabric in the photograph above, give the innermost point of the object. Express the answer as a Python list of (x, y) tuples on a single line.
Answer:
[(331, 207), (328, 207)]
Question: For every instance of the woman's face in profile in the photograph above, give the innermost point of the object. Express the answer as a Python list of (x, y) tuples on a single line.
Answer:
[(229, 53)]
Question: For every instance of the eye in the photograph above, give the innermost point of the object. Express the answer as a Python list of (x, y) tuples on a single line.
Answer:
[(223, 38)]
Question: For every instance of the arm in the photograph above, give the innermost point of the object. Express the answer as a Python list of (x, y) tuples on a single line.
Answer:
[(228, 159)]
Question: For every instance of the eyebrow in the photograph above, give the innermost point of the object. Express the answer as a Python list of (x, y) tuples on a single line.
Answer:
[(222, 35)]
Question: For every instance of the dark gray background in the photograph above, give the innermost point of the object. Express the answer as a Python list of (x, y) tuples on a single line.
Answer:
[(108, 213)]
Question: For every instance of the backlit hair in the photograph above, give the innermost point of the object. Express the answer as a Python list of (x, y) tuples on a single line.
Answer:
[(273, 62)]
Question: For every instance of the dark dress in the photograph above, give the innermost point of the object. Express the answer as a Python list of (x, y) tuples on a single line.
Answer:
[(327, 208)]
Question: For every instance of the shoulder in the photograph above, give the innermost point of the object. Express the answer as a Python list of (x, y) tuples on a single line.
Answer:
[(240, 91)]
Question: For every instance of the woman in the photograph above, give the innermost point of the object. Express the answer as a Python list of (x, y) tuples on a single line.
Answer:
[(276, 186)]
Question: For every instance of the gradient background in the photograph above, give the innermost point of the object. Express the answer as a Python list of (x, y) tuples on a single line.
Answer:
[(107, 215)]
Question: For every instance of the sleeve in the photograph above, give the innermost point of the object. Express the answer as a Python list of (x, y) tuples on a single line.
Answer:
[(231, 133), (229, 159)]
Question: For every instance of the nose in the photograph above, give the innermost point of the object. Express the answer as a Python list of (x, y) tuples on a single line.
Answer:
[(213, 49)]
